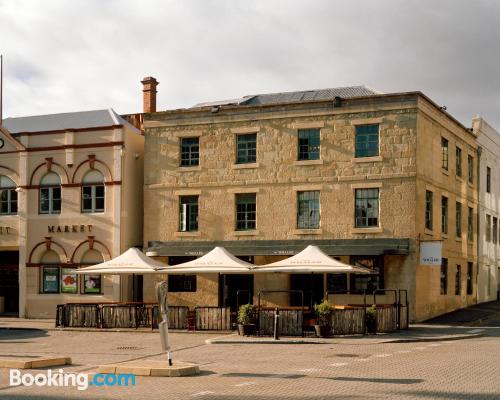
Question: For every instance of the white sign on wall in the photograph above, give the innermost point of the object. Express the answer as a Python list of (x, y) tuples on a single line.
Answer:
[(431, 252)]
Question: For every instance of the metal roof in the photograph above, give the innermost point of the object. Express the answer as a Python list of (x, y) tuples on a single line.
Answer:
[(292, 97), (72, 120)]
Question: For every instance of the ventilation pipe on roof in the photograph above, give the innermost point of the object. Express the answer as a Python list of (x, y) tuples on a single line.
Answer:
[(337, 102), (149, 93)]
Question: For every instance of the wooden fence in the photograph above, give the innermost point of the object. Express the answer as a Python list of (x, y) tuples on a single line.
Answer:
[(78, 315), (348, 321), (212, 318), (291, 322), (387, 319), (177, 317)]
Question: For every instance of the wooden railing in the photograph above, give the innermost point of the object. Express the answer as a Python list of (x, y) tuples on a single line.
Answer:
[(291, 322), (213, 318)]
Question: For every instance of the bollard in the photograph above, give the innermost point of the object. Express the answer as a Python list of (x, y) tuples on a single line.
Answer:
[(276, 324)]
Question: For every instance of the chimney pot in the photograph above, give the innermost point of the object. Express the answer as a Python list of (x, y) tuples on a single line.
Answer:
[(149, 94)]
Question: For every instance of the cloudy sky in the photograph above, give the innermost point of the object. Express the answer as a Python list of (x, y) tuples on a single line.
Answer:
[(86, 54)]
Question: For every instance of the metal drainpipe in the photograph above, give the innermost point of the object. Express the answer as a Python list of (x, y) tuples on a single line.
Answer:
[(479, 210)]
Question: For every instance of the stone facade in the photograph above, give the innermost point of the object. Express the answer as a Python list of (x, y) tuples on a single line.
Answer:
[(408, 164)]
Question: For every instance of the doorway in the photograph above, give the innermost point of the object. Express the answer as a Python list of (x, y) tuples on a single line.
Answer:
[(311, 285), (9, 282), (235, 290)]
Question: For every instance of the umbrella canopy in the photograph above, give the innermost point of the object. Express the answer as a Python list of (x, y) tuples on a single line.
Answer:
[(133, 261), (217, 260), (312, 259)]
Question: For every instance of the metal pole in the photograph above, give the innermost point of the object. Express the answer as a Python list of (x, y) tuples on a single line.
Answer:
[(161, 294), (276, 324)]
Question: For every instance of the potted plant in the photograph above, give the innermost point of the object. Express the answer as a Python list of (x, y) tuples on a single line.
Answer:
[(371, 319), (324, 313), (246, 320)]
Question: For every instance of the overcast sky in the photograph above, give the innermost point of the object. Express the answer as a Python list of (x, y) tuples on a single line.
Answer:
[(75, 55)]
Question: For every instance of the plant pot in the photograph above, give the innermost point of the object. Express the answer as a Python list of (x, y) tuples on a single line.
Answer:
[(322, 330), (371, 326), (246, 329)]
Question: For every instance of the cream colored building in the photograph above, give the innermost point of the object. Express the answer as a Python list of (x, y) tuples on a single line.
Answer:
[(488, 279), (70, 195), (366, 176)]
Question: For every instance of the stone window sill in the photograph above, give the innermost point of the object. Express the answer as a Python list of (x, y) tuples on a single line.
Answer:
[(444, 235), (187, 234), (308, 231), (428, 231), (367, 159), (246, 233), (189, 169), (367, 230), (245, 166), (308, 162), (444, 171)]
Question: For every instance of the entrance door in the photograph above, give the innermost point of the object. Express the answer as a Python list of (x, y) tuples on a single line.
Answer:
[(311, 285), (9, 281), (235, 290)]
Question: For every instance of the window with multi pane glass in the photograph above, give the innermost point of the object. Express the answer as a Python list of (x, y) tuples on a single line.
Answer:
[(367, 208), (190, 152), (367, 137), (188, 213), (488, 228), (428, 210), (8, 196), (458, 280), (495, 230), (469, 278), (444, 276), (470, 168), (444, 153), (246, 211), (246, 148), (309, 144), (458, 161), (470, 232), (50, 194), (458, 219), (308, 210), (93, 192), (488, 180), (444, 215)]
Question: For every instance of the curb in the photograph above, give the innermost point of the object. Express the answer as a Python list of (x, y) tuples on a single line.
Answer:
[(13, 328), (434, 339)]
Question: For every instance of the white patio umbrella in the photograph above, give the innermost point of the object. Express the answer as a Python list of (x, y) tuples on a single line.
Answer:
[(218, 260), (311, 259), (133, 261)]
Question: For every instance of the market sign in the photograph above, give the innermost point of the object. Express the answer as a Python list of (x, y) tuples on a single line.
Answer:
[(431, 252)]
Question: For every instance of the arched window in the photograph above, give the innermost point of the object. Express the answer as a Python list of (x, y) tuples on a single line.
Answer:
[(92, 284), (93, 192), (8, 196), (50, 194), (50, 274)]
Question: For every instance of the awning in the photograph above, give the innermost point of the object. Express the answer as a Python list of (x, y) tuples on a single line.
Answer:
[(310, 260), (133, 261), (215, 261)]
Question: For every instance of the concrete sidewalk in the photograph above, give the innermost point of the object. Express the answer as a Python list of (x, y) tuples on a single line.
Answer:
[(478, 314)]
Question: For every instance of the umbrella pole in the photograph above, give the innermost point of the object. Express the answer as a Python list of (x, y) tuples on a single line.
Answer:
[(161, 294)]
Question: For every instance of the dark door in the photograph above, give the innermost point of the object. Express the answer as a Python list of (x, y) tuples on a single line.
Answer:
[(235, 290), (311, 285), (138, 288), (9, 280)]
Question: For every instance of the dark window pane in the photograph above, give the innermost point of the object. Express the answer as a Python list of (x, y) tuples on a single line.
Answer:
[(308, 210), (367, 140), (309, 144), (367, 208), (246, 148), (182, 283), (246, 211), (44, 200), (188, 213), (189, 151)]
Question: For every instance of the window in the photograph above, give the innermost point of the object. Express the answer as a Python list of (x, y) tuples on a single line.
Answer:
[(69, 280), (444, 215), (308, 216), (190, 152), (470, 232), (8, 196), (469, 278), (49, 272), (367, 137), (336, 283), (444, 276), (309, 144), (458, 219), (182, 283), (50, 194), (428, 210), (488, 180), (458, 281), (470, 168), (246, 211), (367, 204), (188, 213), (444, 153), (246, 148), (458, 161), (92, 284), (93, 192), (495, 230), (360, 283), (488, 228)]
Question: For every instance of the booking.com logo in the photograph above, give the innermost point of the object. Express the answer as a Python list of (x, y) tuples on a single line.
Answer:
[(62, 379)]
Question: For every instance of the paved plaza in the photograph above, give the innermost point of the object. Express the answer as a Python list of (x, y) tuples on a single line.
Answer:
[(343, 368)]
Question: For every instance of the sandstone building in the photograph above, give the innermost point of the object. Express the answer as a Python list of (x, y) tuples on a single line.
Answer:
[(368, 177)]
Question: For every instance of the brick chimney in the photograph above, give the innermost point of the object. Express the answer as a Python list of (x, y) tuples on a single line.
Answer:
[(149, 90)]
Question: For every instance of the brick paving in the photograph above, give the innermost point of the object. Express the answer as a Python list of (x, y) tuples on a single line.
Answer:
[(346, 369)]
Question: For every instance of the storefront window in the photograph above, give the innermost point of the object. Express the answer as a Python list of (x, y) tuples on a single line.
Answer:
[(336, 283), (50, 279), (91, 284), (69, 280), (360, 283)]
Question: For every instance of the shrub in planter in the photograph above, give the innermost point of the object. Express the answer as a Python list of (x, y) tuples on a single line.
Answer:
[(324, 313), (246, 320), (371, 319)]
